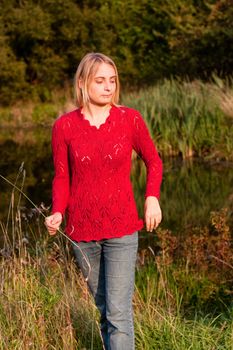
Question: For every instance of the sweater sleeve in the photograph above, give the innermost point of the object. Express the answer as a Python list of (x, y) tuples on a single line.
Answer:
[(61, 180), (145, 148)]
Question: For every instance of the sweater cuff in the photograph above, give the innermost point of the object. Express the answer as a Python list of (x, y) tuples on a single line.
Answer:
[(156, 195)]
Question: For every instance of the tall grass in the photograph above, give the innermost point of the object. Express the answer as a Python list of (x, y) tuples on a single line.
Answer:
[(45, 305), (188, 118), (182, 298)]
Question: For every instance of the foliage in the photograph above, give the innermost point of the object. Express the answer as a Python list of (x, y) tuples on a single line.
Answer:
[(206, 40), (43, 41)]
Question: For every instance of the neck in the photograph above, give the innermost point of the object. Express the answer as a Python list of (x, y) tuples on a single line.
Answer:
[(96, 111)]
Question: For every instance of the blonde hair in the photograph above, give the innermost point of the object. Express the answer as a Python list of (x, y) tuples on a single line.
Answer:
[(86, 69)]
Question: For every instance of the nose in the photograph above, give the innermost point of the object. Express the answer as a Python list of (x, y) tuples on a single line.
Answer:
[(107, 86)]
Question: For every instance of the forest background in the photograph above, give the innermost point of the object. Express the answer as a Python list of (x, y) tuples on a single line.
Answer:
[(42, 41)]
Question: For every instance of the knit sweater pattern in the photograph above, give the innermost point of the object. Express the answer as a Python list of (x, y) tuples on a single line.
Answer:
[(91, 185)]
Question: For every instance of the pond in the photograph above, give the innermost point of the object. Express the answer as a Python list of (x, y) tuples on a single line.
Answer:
[(190, 189)]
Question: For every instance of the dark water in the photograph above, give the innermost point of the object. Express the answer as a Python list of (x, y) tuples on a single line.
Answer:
[(190, 190)]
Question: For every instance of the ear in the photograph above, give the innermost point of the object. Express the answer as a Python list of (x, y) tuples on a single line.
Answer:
[(80, 83)]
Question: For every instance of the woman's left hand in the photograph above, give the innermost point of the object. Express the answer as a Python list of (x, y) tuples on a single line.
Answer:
[(152, 212)]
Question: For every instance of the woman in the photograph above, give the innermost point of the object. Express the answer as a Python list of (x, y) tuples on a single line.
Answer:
[(92, 148)]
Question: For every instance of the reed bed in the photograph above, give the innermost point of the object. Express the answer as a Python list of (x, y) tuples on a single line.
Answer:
[(188, 118)]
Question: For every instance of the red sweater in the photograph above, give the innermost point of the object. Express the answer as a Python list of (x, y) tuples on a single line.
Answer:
[(92, 173)]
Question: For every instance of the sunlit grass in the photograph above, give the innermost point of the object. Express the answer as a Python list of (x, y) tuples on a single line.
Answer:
[(188, 118), (45, 305)]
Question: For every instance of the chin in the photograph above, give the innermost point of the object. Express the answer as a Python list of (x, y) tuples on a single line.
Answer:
[(104, 102)]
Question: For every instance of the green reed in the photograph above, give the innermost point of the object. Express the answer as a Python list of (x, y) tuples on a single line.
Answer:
[(187, 118)]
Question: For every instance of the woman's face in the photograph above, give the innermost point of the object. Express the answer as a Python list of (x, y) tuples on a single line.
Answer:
[(102, 85)]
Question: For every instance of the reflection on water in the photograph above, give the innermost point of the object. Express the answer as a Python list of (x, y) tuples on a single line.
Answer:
[(32, 147), (192, 190), (189, 192)]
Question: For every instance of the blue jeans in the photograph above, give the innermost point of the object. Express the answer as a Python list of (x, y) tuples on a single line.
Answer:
[(109, 265)]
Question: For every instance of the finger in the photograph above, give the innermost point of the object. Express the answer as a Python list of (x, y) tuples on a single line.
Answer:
[(48, 222), (150, 222), (52, 233), (158, 220), (53, 227), (55, 221), (52, 223), (48, 225), (52, 230), (159, 216), (147, 222), (153, 223)]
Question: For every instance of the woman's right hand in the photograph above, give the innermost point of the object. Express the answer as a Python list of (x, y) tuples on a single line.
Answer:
[(53, 222)]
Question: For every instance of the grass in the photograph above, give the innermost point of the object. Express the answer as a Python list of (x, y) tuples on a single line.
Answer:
[(42, 306), (183, 299), (45, 305)]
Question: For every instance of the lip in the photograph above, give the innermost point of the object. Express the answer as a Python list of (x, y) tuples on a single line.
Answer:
[(106, 96)]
